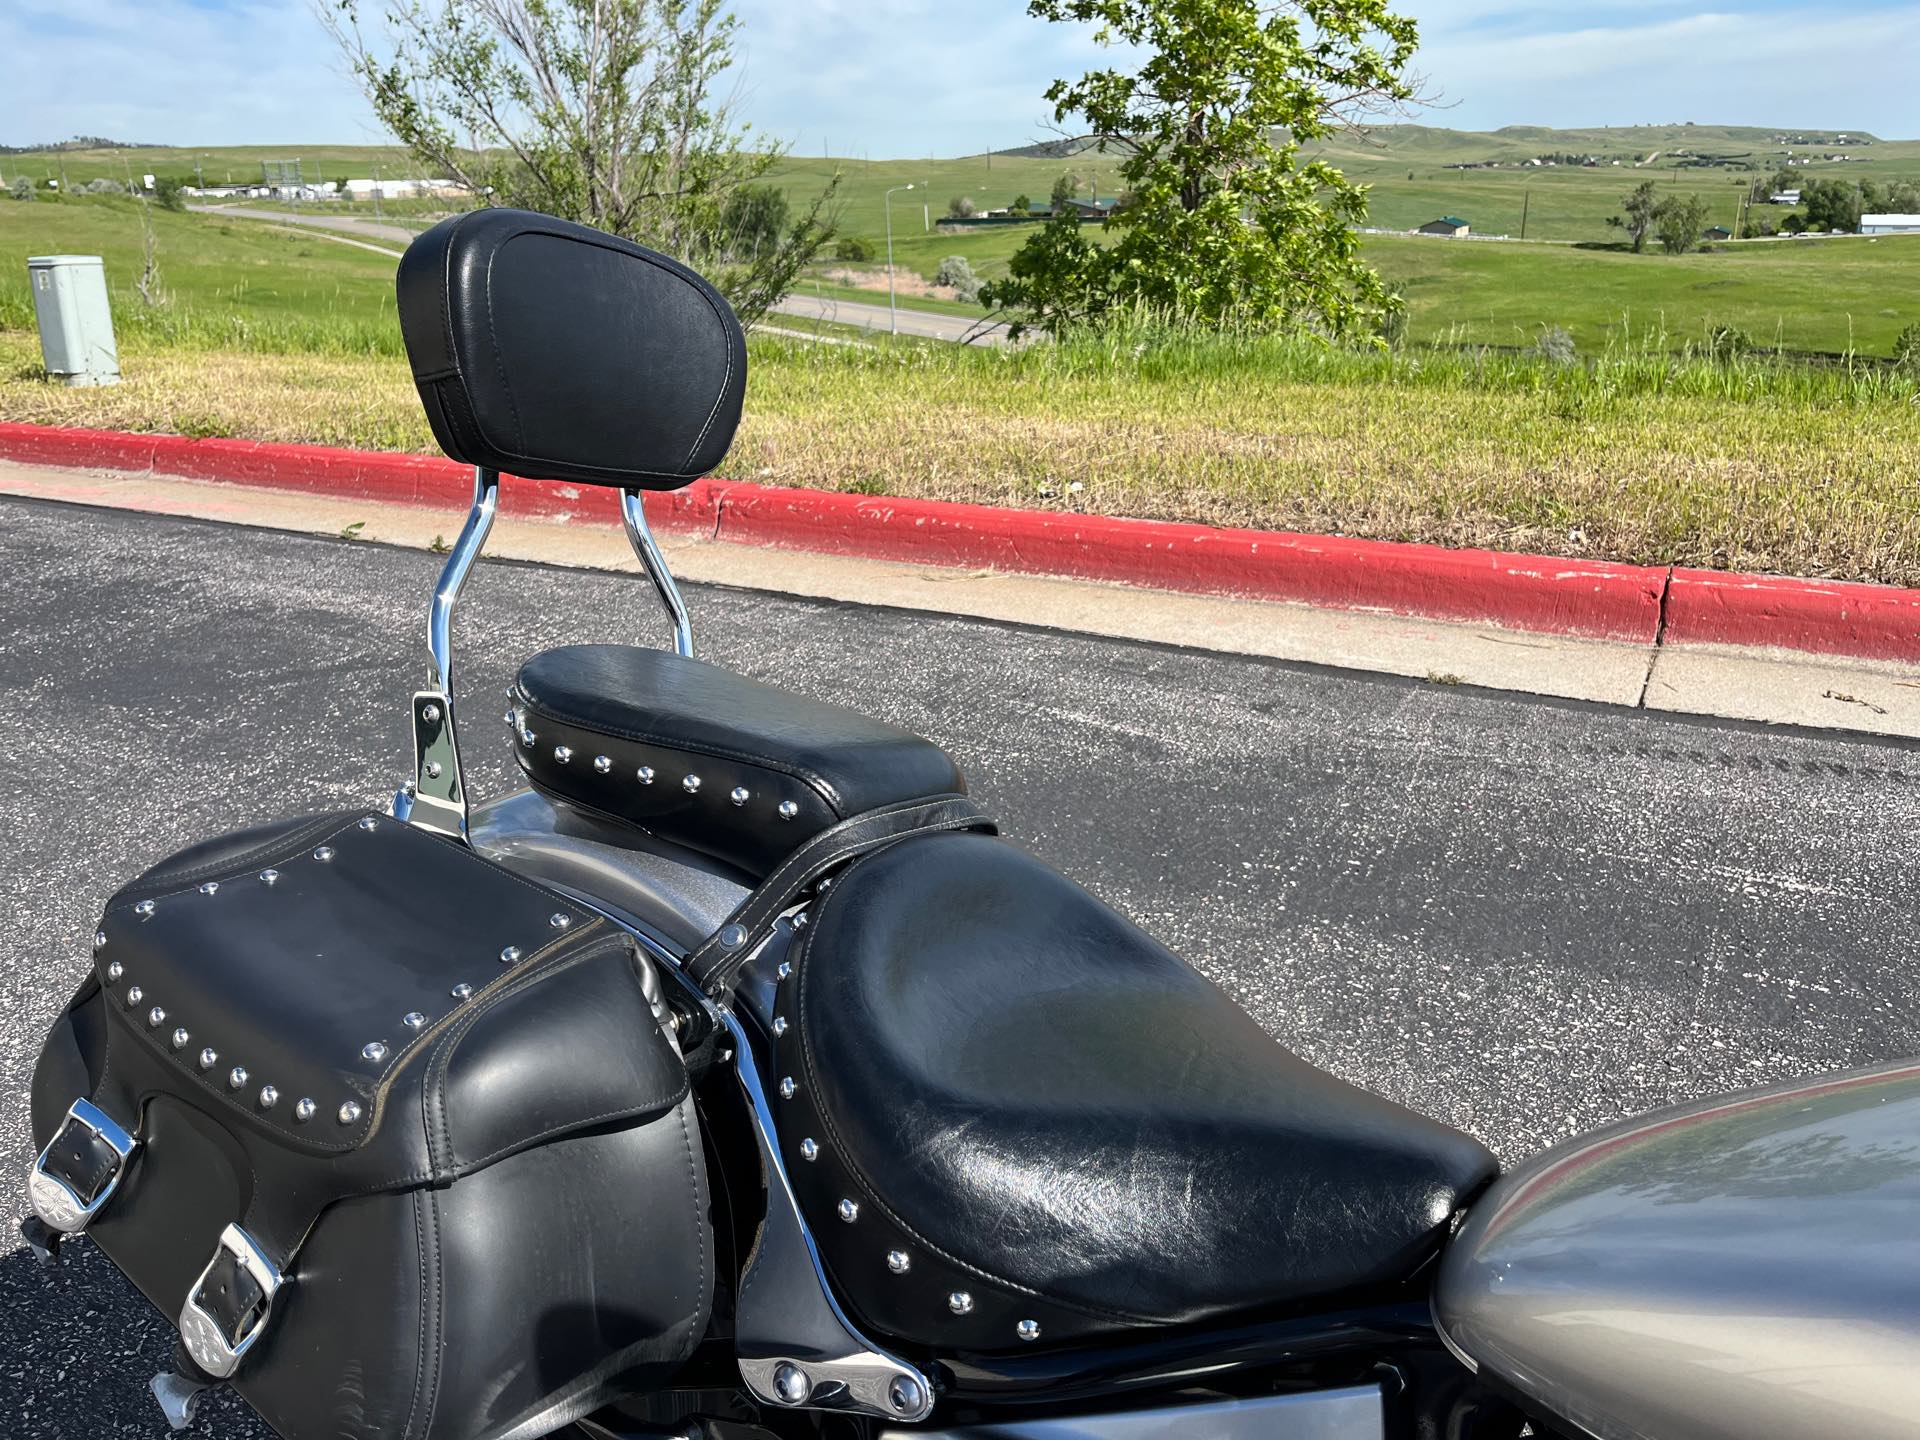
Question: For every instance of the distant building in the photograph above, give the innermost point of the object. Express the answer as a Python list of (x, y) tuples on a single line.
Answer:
[(1890, 224), (1784, 197), (1716, 232), (1449, 225)]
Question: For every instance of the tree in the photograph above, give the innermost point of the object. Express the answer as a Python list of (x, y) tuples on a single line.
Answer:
[(1679, 221), (1640, 204), (961, 207), (956, 273), (1227, 223), (852, 247), (169, 193), (22, 188), (1063, 191), (608, 112), (1831, 205), (1021, 206), (754, 219)]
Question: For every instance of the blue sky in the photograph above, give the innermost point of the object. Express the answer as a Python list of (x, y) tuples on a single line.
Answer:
[(943, 77)]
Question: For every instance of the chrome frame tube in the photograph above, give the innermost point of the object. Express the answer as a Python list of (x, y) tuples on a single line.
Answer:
[(473, 535), (640, 536)]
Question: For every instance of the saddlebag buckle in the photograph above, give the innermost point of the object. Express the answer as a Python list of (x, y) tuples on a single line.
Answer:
[(80, 1168), (228, 1306)]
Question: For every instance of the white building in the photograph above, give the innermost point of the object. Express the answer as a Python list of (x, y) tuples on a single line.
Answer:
[(1890, 224)]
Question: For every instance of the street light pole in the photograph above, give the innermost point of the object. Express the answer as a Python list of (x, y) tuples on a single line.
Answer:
[(893, 310)]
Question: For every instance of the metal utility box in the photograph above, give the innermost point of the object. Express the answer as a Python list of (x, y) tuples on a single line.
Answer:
[(76, 321)]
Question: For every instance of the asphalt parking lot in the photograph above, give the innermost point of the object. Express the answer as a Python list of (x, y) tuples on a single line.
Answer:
[(1524, 917)]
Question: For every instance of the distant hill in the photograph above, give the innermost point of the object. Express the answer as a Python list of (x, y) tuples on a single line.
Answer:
[(78, 142), (1432, 144)]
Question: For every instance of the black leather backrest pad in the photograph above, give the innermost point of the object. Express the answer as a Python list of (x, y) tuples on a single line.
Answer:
[(550, 350)]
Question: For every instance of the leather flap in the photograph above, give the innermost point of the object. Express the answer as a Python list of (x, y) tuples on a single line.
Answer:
[(547, 349), (438, 1011)]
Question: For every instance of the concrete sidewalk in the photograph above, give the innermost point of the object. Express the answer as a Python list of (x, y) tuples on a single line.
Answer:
[(1780, 687)]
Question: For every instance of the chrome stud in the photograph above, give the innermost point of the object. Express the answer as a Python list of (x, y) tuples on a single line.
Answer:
[(348, 1112), (960, 1302), (414, 1020), (527, 737), (180, 1039), (690, 784), (462, 991), (303, 1109), (801, 920), (237, 1077), (1028, 1330), (433, 770), (849, 1210), (790, 1384), (134, 996), (785, 970), (367, 822), (429, 712), (510, 955), (903, 1393), (899, 1262), (374, 1050), (156, 1017), (809, 1149), (739, 795), (143, 909), (779, 1024), (788, 809), (325, 853), (602, 764), (732, 937), (644, 774), (562, 754), (270, 877), (114, 971), (511, 718), (789, 1087), (209, 1058), (99, 939), (559, 920), (210, 887), (269, 1097)]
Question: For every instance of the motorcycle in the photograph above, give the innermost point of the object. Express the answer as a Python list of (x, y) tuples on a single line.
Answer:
[(736, 1080)]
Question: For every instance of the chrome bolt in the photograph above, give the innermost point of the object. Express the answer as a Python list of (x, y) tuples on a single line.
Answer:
[(349, 1112), (374, 1050), (644, 774), (209, 1058), (510, 955), (691, 784), (899, 1262), (559, 920), (779, 1025), (462, 991), (134, 996), (1028, 1330), (733, 937), (739, 795), (303, 1109), (602, 764), (237, 1077), (849, 1210), (960, 1302), (156, 1017), (527, 737), (904, 1394), (270, 877), (367, 822), (433, 769), (210, 887), (788, 809), (180, 1039), (562, 754), (269, 1097), (114, 971), (789, 1087), (429, 712), (809, 1149), (143, 909), (785, 970), (99, 939), (790, 1384), (323, 854), (414, 1020)]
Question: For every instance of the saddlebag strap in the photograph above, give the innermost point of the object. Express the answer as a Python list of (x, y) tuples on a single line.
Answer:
[(717, 963)]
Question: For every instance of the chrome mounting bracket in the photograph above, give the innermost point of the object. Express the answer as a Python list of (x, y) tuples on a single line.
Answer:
[(796, 1347)]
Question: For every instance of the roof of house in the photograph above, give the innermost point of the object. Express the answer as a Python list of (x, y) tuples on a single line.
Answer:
[(1448, 220)]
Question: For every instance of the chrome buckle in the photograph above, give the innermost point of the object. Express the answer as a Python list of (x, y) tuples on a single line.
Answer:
[(204, 1334), (54, 1199)]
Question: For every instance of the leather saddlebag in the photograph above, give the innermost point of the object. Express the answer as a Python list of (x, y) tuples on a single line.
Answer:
[(393, 1133)]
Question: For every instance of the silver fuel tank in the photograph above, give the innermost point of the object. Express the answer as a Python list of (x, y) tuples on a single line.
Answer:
[(1739, 1268)]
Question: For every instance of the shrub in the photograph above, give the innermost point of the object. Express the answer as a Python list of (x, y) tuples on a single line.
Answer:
[(1556, 346), (169, 194), (103, 186), (1727, 341), (1021, 205), (21, 189), (1906, 347), (954, 271), (961, 207), (852, 247)]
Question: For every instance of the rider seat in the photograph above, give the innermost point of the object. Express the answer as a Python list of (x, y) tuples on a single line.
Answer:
[(1017, 1118)]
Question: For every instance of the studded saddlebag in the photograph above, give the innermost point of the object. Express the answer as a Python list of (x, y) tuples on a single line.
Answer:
[(392, 1131)]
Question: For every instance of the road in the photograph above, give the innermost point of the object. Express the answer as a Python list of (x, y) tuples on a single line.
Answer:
[(362, 230), (1525, 917)]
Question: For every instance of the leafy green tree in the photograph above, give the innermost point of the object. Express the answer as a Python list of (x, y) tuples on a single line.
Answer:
[(1021, 206), (21, 188), (1831, 205), (168, 193), (754, 219), (1227, 223), (1063, 191), (1679, 220), (609, 112), (961, 207), (853, 248), (1640, 204)]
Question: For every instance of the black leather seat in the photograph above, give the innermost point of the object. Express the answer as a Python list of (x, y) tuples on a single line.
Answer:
[(706, 758), (1035, 1113)]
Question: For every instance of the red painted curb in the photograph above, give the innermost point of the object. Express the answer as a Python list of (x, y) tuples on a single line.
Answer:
[(1831, 616), (1594, 598), (1528, 592)]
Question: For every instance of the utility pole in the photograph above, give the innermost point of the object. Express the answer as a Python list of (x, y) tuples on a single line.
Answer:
[(893, 311), (376, 192), (1526, 203)]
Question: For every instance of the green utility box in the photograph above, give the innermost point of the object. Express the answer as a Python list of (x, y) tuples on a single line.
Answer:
[(76, 322)]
